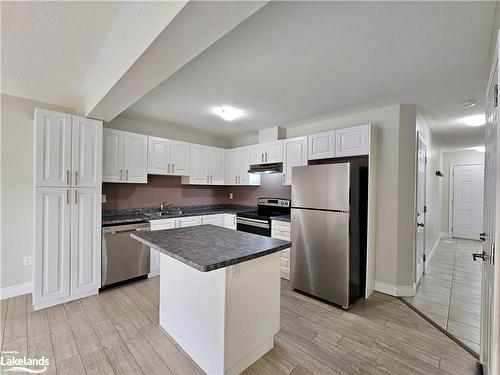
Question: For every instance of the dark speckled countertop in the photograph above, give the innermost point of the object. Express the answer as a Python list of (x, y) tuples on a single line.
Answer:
[(137, 215), (209, 247)]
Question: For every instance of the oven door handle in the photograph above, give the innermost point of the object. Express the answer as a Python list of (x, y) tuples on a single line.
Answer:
[(253, 222)]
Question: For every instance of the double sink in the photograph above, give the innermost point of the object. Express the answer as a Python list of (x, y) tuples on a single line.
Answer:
[(163, 213)]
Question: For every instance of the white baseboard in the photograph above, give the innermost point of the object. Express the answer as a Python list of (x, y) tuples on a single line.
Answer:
[(395, 290), (15, 290), (436, 244)]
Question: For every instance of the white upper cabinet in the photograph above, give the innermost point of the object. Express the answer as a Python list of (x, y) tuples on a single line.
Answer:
[(274, 152), (51, 255), (158, 155), (180, 156), (85, 240), (270, 152), (168, 157), (68, 150), (207, 166), (135, 159), (321, 145), (86, 152), (352, 141), (52, 148), (125, 157), (112, 160), (295, 155), (217, 169), (237, 167)]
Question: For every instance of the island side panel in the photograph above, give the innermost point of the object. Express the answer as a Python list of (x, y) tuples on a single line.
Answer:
[(252, 311), (192, 311)]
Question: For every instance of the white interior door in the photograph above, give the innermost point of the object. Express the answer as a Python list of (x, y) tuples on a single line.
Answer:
[(490, 283), (421, 176), (468, 182)]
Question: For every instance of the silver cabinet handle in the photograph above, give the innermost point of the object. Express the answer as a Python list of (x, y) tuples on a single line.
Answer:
[(173, 167), (67, 178), (284, 177), (266, 156), (126, 174), (67, 196), (121, 174), (168, 168), (262, 157), (208, 180), (76, 196), (76, 178)]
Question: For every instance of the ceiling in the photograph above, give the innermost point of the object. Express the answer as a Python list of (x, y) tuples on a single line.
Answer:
[(292, 61), (48, 48)]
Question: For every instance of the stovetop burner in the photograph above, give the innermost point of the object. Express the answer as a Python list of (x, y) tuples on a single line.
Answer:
[(268, 207)]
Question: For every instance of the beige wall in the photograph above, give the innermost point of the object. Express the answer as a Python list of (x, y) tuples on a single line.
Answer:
[(454, 157), (434, 184), (17, 186), (170, 132), (387, 122)]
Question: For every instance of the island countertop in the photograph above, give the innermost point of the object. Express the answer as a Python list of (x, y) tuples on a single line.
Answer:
[(209, 247)]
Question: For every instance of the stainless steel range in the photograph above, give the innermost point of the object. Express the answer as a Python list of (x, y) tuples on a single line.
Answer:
[(259, 221)]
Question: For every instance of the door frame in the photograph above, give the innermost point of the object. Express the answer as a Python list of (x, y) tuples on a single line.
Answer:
[(421, 139), (451, 192)]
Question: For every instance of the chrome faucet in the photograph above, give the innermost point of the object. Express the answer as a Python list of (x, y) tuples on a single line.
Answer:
[(166, 205)]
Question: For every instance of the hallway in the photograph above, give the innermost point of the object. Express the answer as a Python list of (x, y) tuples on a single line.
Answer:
[(450, 290)]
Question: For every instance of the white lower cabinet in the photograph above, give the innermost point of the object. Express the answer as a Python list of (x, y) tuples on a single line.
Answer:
[(229, 221), (281, 231), (67, 245), (154, 257)]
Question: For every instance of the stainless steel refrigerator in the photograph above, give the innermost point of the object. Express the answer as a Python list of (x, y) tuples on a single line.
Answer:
[(328, 218)]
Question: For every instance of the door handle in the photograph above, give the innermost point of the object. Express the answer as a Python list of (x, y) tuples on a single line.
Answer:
[(482, 256), (482, 236)]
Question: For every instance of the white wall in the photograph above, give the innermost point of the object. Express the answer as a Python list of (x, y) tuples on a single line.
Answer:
[(17, 186), (180, 133), (434, 184), (454, 157)]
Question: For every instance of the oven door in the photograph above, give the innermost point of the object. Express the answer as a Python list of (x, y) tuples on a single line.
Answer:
[(256, 226)]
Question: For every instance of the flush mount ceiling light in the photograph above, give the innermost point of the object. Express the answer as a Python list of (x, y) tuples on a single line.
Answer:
[(479, 148), (475, 120), (228, 113)]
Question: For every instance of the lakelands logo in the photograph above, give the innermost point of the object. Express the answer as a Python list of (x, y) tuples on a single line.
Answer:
[(23, 364)]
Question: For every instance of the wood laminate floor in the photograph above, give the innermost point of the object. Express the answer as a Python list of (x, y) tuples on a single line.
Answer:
[(117, 332)]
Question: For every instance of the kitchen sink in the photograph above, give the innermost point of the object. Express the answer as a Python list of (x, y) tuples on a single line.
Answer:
[(165, 213)]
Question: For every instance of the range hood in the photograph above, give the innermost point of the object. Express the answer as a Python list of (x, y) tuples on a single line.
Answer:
[(266, 168)]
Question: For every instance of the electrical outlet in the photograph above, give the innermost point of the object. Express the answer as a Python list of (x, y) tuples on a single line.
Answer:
[(103, 198), (230, 195), (27, 261)]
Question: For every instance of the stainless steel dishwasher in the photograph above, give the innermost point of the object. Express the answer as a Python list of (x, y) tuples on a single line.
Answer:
[(123, 258)]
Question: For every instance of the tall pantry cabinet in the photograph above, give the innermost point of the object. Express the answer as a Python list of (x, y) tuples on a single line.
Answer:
[(67, 207)]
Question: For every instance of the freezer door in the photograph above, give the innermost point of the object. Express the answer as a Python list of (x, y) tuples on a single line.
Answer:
[(320, 254), (324, 187)]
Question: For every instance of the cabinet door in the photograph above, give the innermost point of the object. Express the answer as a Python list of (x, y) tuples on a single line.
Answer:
[(198, 173), (86, 152), (218, 160), (190, 221), (52, 148), (295, 156), (112, 159), (51, 255), (274, 152), (234, 166), (244, 165), (257, 154), (159, 155), (321, 146), (229, 221), (217, 220), (154, 265), (180, 157), (85, 240), (352, 141), (135, 158)]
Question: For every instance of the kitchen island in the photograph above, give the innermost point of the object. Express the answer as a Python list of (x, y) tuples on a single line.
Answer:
[(219, 293)]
